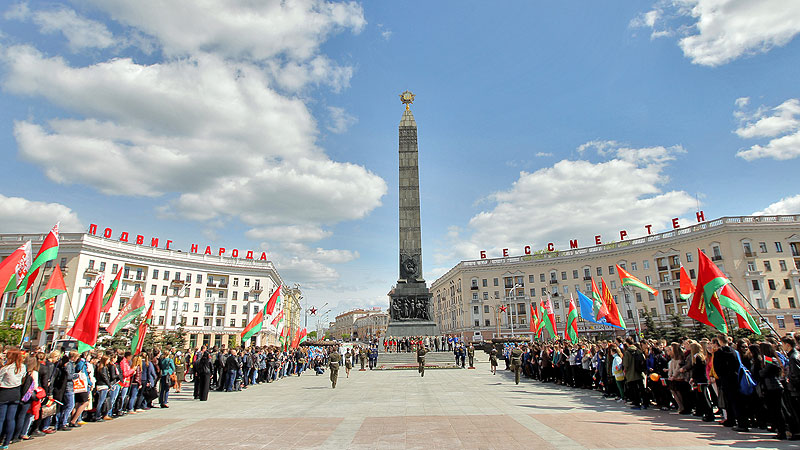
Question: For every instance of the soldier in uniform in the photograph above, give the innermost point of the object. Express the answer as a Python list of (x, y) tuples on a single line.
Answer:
[(335, 358), (348, 362), (493, 361), (421, 351), (516, 362), (471, 355), (373, 357), (362, 356)]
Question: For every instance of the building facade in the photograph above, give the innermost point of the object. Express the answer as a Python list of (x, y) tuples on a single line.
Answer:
[(760, 255), (371, 326), (211, 297), (343, 326)]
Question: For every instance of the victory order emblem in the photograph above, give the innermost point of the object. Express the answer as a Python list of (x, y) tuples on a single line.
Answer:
[(407, 98)]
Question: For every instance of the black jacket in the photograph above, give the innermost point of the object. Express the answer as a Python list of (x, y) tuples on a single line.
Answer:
[(793, 372), (726, 365)]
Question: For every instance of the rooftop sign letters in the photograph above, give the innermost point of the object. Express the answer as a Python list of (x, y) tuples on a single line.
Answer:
[(154, 241), (573, 243)]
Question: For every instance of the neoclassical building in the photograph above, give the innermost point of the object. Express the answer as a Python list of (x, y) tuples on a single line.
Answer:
[(760, 254), (212, 297)]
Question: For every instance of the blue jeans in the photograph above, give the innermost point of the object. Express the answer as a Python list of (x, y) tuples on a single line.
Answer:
[(101, 400), (113, 393), (163, 390), (66, 409), (231, 380), (134, 397), (8, 415), (122, 395)]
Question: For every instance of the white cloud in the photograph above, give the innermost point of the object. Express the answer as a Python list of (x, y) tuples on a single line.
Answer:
[(339, 120), (576, 200), (780, 124), (786, 205), (21, 215), (81, 33), (289, 233), (543, 154), (721, 31)]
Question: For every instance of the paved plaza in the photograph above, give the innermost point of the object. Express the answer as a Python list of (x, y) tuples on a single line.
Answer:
[(393, 409)]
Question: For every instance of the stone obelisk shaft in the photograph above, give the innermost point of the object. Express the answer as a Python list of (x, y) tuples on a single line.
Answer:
[(410, 236)]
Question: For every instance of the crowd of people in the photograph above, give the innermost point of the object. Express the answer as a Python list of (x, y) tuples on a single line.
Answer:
[(410, 344), (744, 384), (44, 393)]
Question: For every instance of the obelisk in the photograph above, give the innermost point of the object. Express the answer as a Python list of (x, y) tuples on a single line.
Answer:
[(409, 307)]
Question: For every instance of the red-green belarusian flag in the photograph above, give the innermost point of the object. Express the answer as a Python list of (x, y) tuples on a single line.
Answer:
[(550, 319), (687, 287), (534, 319), (629, 280), (141, 331), (47, 252), (698, 305), (14, 267), (87, 325), (108, 299), (278, 318), (709, 281), (43, 311), (303, 336), (598, 306), (571, 331), (296, 338), (254, 326), (540, 318), (273, 300), (133, 309)]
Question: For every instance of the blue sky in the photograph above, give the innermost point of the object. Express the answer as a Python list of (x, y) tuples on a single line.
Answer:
[(275, 127)]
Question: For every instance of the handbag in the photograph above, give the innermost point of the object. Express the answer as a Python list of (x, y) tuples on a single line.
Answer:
[(149, 393), (49, 409), (79, 385), (746, 384)]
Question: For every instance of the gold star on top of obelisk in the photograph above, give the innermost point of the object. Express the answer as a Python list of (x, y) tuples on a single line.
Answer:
[(407, 98)]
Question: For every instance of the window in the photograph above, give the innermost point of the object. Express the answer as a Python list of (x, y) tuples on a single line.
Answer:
[(153, 289), (91, 264), (633, 265), (233, 322), (623, 266), (102, 266), (533, 292), (771, 284), (778, 247), (544, 291), (163, 306), (234, 295), (691, 273), (566, 290), (575, 273), (63, 264), (767, 266), (688, 257), (577, 288), (174, 291), (792, 303), (221, 294), (787, 284), (555, 305), (155, 274), (127, 272), (474, 295), (161, 320), (756, 287), (613, 284), (486, 322), (246, 296), (763, 247), (484, 282), (611, 270), (233, 309), (209, 310), (247, 282), (163, 290), (781, 323), (646, 264), (638, 297), (477, 323), (496, 294), (497, 281), (530, 279), (541, 277), (563, 275), (197, 293), (166, 275), (486, 296), (715, 252), (776, 303), (751, 266), (781, 263), (486, 309), (630, 314), (177, 276), (255, 309), (586, 273), (760, 302), (194, 321), (588, 288), (209, 294), (599, 271)]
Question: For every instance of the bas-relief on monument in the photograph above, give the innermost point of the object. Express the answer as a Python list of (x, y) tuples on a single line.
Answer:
[(409, 306)]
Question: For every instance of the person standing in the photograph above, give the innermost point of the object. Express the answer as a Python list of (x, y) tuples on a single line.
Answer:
[(374, 357), (231, 370), (362, 356), (633, 364), (726, 366), (471, 355), (348, 362), (516, 362), (11, 376), (167, 366), (334, 358), (493, 361), (792, 374), (180, 371), (421, 351), (202, 374)]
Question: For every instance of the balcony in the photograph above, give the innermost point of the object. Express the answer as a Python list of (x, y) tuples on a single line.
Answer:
[(587, 278), (91, 273), (553, 281), (753, 273), (223, 285), (474, 287), (675, 266), (662, 268), (750, 254), (716, 258), (211, 284), (256, 290), (177, 283)]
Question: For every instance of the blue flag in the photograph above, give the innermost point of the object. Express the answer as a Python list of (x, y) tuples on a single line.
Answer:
[(587, 312)]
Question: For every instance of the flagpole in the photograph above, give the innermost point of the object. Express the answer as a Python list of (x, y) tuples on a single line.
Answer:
[(29, 311), (755, 309)]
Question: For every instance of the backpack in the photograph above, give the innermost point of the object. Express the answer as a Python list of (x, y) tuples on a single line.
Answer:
[(639, 364)]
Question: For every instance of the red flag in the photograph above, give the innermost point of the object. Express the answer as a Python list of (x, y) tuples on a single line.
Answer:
[(15, 266), (108, 298), (273, 300), (614, 317), (141, 332), (296, 338), (533, 319), (87, 325)]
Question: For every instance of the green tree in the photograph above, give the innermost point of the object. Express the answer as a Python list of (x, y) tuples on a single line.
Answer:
[(8, 335), (652, 330)]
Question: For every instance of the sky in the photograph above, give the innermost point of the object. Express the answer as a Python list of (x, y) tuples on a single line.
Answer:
[(272, 126)]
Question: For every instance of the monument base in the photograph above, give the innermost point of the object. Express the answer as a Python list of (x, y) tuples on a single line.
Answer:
[(412, 328)]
